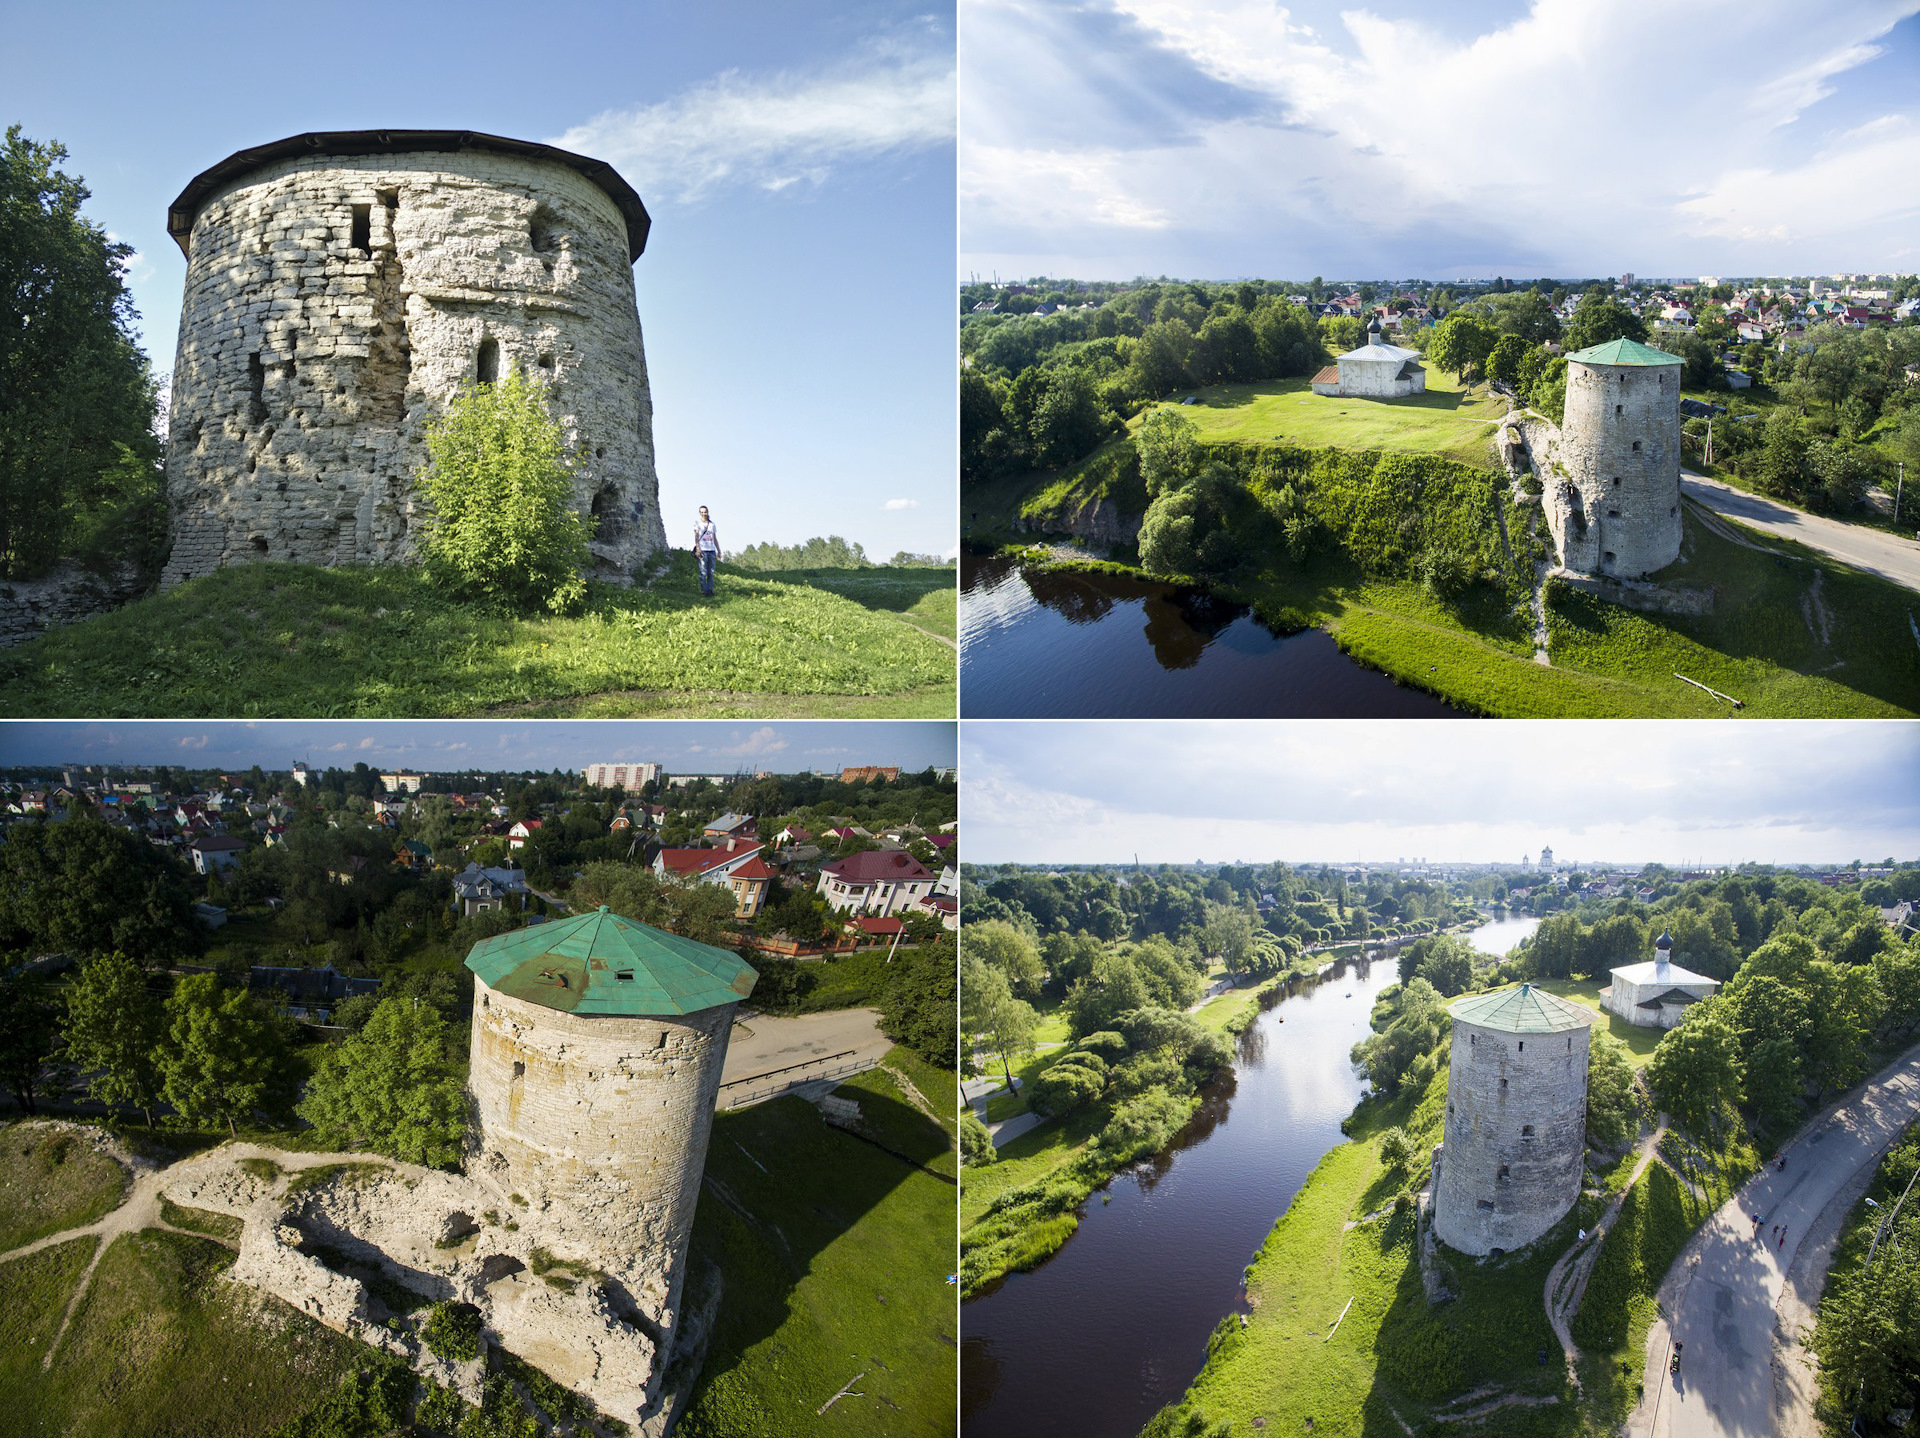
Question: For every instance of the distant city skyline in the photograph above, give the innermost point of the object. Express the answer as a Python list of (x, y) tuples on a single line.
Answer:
[(1678, 793), (681, 746), (1227, 139)]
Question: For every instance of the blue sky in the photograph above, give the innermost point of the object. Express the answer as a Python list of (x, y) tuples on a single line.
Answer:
[(1799, 791), (1232, 138), (797, 161), (692, 747)]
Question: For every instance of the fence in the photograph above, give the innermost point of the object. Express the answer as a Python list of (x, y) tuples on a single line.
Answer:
[(740, 1092)]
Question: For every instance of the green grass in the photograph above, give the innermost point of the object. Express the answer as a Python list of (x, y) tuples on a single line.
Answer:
[(1446, 420), (161, 1346), (834, 1258), (1232, 1011), (51, 1180), (34, 1292), (222, 1226), (939, 1087), (289, 641), (1028, 1067), (890, 1119), (1029, 1158)]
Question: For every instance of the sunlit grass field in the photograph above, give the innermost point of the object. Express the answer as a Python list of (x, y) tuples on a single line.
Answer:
[(297, 641)]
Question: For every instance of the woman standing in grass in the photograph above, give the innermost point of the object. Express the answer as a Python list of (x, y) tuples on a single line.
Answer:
[(706, 548)]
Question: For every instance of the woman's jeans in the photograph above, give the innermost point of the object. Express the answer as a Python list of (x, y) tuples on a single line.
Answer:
[(707, 559)]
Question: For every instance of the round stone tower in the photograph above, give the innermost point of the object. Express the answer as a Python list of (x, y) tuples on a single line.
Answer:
[(341, 286), (1613, 500), (597, 1048), (1516, 1129)]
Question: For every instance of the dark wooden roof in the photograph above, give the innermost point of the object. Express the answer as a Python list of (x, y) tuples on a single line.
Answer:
[(182, 212)]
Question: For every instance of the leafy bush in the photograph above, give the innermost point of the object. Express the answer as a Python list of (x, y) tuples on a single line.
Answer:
[(452, 1331), (1144, 1124), (976, 1144), (1065, 1086), (502, 528)]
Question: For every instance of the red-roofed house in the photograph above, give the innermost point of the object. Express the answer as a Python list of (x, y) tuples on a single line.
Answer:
[(882, 881), (943, 907), (518, 835), (736, 865)]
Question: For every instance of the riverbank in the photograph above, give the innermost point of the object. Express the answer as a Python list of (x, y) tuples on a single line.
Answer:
[(1792, 633)]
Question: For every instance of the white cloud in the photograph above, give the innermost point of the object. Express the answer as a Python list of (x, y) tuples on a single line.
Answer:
[(193, 741), (901, 504), (1556, 141), (764, 740), (779, 131)]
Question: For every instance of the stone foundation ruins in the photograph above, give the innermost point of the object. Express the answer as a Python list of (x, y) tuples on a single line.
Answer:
[(341, 287)]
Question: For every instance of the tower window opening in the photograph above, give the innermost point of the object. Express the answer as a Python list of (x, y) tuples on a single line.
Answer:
[(1523, 1046), (1607, 555), (361, 237), (1613, 514), (1619, 409), (625, 976), (1503, 1171), (1616, 478), (519, 1069), (546, 362), (1636, 450), (1526, 1130), (487, 365), (1486, 1205), (1503, 1083)]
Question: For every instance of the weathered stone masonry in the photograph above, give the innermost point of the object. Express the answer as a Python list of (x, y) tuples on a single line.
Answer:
[(340, 288)]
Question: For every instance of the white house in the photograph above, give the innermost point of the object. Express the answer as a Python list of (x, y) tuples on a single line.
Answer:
[(880, 881), (1377, 370), (1656, 994), (213, 852)]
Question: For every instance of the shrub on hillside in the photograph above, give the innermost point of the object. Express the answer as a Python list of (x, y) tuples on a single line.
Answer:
[(502, 528), (1067, 1085), (976, 1144), (452, 1331)]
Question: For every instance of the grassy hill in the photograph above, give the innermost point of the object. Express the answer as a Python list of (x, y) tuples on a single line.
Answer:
[(1448, 420), (297, 641)]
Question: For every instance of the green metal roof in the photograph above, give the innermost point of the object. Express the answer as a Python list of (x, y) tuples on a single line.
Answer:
[(600, 963), (1623, 351), (1525, 1010)]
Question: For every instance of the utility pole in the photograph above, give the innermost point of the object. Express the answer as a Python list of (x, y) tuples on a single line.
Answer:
[(1899, 485)]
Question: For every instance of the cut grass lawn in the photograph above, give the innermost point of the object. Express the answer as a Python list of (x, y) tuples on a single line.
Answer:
[(1447, 420), (890, 1119), (159, 1346), (1007, 1104), (51, 1180), (288, 641), (939, 1087), (834, 1259)]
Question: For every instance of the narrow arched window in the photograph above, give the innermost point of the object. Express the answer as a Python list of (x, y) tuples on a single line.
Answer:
[(488, 364)]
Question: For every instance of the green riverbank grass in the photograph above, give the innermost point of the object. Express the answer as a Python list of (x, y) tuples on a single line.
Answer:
[(52, 1180), (290, 641), (833, 1258), (1793, 635), (1447, 420)]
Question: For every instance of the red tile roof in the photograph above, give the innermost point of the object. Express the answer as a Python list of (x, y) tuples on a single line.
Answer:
[(1329, 375), (698, 861), (870, 924), (879, 865)]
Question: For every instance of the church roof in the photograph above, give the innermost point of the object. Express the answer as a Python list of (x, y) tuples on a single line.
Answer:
[(600, 963), (1523, 1010), (1624, 351), (1379, 352), (1671, 996), (1660, 971)]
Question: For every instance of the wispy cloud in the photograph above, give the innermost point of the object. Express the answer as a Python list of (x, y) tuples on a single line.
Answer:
[(901, 504), (775, 132), (193, 741)]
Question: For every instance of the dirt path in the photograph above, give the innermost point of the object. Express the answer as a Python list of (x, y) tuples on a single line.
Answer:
[(1576, 1264)]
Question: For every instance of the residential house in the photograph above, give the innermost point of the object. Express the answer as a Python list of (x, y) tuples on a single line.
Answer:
[(731, 826), (475, 890), (213, 853), (520, 832), (882, 881), (791, 835), (413, 856), (736, 865)]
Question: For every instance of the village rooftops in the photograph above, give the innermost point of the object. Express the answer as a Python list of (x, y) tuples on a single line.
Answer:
[(601, 963), (695, 862), (879, 866), (1524, 1010), (1623, 351)]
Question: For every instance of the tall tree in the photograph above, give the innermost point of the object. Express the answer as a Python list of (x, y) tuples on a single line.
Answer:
[(223, 1057), (29, 1039), (397, 1087), (113, 1031), (82, 886), (77, 456)]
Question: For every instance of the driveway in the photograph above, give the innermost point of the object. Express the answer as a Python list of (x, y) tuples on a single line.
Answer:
[(1723, 1289), (1872, 550), (764, 1042)]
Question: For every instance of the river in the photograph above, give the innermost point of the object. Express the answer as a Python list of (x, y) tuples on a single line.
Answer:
[(1114, 1326), (1066, 644)]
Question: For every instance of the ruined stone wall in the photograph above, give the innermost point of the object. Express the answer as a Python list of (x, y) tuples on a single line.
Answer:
[(1515, 1137), (333, 303), (1618, 453), (606, 1120)]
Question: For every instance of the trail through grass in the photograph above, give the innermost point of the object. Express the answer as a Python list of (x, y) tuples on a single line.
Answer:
[(51, 1180)]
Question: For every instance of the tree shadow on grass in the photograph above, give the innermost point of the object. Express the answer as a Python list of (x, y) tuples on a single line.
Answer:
[(783, 1188), (882, 587)]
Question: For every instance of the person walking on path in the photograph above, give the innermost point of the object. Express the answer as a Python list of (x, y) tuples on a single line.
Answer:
[(706, 548)]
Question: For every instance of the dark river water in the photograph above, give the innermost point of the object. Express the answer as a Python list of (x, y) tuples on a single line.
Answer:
[(1071, 645), (1114, 1326)]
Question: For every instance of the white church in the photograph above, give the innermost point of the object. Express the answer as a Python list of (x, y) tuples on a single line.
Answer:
[(1377, 370), (1657, 993)]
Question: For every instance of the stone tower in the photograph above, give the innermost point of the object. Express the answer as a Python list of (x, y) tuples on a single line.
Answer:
[(1516, 1128), (597, 1048), (1612, 488), (341, 286)]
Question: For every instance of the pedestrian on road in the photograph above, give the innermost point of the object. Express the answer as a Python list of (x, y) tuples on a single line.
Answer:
[(706, 548), (1783, 1239)]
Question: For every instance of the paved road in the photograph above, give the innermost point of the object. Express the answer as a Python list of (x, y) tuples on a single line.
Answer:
[(1873, 550), (762, 1042), (1723, 1290)]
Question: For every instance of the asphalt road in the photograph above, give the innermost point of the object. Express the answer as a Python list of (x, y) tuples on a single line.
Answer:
[(1723, 1291), (1873, 550), (762, 1042)]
